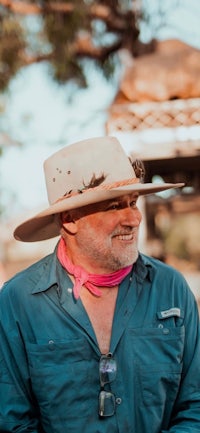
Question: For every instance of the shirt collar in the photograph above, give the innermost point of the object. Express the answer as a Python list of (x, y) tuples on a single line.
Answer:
[(144, 268), (45, 275)]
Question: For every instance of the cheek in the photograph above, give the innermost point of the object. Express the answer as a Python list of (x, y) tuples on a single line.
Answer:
[(103, 226), (96, 219)]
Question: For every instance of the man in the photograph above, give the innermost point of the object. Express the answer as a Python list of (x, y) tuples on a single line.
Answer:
[(97, 337)]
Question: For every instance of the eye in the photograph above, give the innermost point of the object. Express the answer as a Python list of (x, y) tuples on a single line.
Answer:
[(113, 206), (133, 203)]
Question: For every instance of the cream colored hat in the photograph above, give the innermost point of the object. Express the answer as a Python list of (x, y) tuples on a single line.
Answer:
[(86, 172)]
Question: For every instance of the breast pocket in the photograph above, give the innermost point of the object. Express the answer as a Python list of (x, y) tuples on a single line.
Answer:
[(158, 356), (61, 378)]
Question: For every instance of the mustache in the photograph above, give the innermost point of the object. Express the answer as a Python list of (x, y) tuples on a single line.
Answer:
[(125, 231)]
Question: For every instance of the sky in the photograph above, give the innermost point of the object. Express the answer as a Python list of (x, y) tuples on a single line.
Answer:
[(182, 20), (43, 117)]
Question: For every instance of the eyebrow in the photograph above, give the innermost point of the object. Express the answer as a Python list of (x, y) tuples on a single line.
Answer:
[(121, 199)]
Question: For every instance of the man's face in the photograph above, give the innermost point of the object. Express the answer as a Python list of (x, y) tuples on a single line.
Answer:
[(107, 234)]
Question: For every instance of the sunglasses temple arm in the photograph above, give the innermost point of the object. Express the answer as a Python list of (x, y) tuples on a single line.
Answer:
[(101, 404)]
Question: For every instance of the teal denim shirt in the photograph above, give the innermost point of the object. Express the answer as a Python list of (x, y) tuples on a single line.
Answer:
[(49, 356)]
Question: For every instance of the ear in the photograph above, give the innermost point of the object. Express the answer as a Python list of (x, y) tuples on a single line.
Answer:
[(70, 227), (68, 223)]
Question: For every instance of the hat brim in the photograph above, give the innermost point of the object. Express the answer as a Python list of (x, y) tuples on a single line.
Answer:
[(44, 226)]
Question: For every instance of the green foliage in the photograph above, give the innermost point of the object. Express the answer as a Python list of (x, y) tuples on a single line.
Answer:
[(11, 45), (107, 66), (61, 29), (61, 32), (70, 32)]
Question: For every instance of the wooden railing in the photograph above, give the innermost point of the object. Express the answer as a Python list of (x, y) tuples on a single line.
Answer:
[(140, 116)]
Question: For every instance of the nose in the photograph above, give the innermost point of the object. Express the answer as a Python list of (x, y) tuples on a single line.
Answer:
[(130, 217)]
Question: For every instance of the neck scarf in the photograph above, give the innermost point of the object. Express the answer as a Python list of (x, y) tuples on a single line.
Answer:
[(90, 281)]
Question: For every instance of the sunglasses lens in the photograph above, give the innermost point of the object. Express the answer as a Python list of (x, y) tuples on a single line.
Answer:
[(106, 404), (107, 370)]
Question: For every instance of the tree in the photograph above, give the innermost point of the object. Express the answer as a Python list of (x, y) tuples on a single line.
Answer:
[(68, 33)]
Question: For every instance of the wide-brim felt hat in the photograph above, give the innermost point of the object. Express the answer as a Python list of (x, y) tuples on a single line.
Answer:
[(86, 172)]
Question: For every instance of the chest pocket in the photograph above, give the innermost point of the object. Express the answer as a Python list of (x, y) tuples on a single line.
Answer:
[(62, 379), (158, 353)]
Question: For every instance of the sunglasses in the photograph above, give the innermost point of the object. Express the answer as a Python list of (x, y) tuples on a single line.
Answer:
[(107, 373)]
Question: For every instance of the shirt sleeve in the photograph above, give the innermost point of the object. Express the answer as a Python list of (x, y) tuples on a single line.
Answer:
[(186, 414), (18, 410)]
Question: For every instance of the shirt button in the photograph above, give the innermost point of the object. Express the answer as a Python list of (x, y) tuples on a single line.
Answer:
[(69, 290), (118, 400), (160, 326), (51, 345), (165, 331)]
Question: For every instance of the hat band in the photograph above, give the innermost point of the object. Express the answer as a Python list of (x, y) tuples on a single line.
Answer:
[(105, 187)]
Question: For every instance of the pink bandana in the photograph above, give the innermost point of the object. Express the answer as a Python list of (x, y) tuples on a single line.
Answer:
[(91, 281)]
